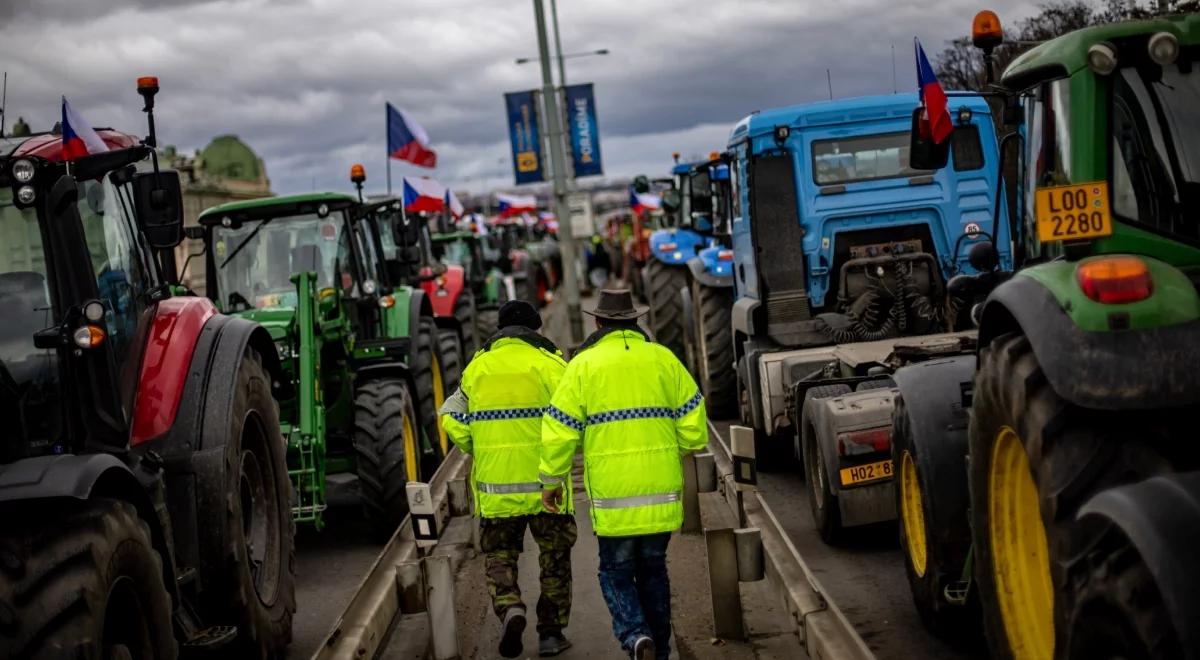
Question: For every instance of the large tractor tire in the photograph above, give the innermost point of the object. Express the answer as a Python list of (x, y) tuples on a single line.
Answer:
[(387, 445), (1119, 610), (1034, 460), (431, 391), (467, 317), (714, 349), (663, 284), (249, 532), (933, 557), (81, 581), (822, 501), (451, 356), (487, 322)]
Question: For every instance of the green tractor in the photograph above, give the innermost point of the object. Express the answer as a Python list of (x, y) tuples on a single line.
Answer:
[(1051, 489), (362, 355)]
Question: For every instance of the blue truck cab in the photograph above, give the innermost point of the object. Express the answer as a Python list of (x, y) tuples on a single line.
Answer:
[(837, 240)]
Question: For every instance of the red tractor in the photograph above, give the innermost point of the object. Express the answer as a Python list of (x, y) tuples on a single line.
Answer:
[(145, 505)]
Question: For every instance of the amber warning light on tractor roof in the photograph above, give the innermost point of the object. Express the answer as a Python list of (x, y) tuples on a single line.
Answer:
[(357, 173), (986, 31)]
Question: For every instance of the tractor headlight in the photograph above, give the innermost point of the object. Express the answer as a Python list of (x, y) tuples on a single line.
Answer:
[(369, 287), (1102, 58), (22, 171), (1163, 48), (26, 194)]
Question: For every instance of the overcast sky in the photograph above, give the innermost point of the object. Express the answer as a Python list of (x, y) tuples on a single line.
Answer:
[(304, 82)]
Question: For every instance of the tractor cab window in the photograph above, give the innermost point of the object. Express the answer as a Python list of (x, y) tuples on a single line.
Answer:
[(372, 259), (118, 259), (1156, 147), (29, 379), (863, 158), (1048, 148), (256, 259)]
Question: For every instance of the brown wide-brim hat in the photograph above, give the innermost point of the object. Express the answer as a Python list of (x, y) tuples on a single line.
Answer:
[(617, 305)]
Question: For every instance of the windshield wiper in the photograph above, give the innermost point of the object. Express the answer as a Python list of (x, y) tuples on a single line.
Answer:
[(245, 241)]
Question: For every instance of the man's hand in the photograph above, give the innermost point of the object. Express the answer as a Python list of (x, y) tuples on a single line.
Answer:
[(552, 499)]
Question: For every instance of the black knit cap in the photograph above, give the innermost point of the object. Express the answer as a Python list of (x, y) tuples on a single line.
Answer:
[(519, 312)]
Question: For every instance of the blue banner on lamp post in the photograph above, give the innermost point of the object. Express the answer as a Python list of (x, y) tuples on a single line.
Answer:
[(524, 136), (585, 133)]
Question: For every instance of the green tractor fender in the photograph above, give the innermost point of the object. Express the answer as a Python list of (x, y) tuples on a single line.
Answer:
[(1127, 356)]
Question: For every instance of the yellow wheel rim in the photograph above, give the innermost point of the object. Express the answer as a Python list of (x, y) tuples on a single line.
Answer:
[(410, 450), (913, 514), (439, 397), (1020, 557)]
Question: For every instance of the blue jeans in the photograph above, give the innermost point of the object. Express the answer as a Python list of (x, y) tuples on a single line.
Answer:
[(633, 579)]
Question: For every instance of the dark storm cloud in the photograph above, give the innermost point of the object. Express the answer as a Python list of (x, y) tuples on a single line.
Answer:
[(304, 82)]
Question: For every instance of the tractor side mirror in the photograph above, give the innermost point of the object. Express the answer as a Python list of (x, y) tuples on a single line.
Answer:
[(158, 202), (924, 153), (671, 200)]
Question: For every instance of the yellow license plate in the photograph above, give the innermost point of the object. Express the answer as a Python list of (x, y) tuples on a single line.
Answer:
[(1071, 213), (861, 474)]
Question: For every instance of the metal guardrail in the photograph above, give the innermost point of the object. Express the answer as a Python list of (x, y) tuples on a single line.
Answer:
[(823, 630), (364, 625)]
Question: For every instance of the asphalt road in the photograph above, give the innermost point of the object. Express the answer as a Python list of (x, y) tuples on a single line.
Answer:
[(329, 565), (864, 576)]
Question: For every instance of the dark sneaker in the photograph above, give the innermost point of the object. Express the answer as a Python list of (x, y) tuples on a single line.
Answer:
[(552, 644), (643, 648), (514, 627)]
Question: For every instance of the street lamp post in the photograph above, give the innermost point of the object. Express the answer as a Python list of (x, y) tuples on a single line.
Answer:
[(558, 165)]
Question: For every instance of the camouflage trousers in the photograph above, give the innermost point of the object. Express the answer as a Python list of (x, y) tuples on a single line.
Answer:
[(503, 539)]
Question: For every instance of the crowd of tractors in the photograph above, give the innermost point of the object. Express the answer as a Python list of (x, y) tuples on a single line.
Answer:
[(990, 343)]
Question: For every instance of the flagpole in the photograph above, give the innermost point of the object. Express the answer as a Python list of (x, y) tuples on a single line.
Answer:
[(387, 127), (389, 174)]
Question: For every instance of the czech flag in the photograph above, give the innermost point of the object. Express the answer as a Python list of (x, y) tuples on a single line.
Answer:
[(79, 138), (511, 205), (423, 195), (452, 203), (407, 140), (935, 120), (643, 202)]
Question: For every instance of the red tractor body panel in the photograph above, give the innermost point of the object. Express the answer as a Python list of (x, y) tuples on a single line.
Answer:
[(49, 147), (443, 291), (173, 334)]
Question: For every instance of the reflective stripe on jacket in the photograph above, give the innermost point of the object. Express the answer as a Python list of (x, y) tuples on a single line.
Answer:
[(634, 409), (497, 418)]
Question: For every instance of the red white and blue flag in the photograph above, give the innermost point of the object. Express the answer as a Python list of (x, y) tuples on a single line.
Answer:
[(511, 205), (935, 119), (424, 195), (643, 202), (452, 203), (79, 138), (407, 140)]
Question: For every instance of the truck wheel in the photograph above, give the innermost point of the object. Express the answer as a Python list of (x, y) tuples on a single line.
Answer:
[(81, 580), (931, 560), (714, 350), (822, 501), (386, 443), (663, 283), (427, 373), (249, 525), (465, 314), (1034, 460)]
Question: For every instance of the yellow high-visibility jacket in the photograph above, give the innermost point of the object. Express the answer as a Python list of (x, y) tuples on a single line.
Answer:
[(635, 410), (496, 416)]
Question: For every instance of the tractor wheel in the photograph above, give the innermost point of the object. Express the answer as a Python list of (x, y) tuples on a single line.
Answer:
[(387, 446), (933, 558), (427, 372), (82, 580), (487, 322), (822, 501), (663, 283), (451, 355), (1119, 611), (466, 315), (1034, 460), (249, 531), (714, 349)]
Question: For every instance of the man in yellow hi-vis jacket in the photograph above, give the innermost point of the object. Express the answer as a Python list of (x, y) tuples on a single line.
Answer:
[(634, 410), (496, 416)]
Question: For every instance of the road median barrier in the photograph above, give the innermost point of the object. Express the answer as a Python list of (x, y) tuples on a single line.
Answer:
[(822, 628)]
